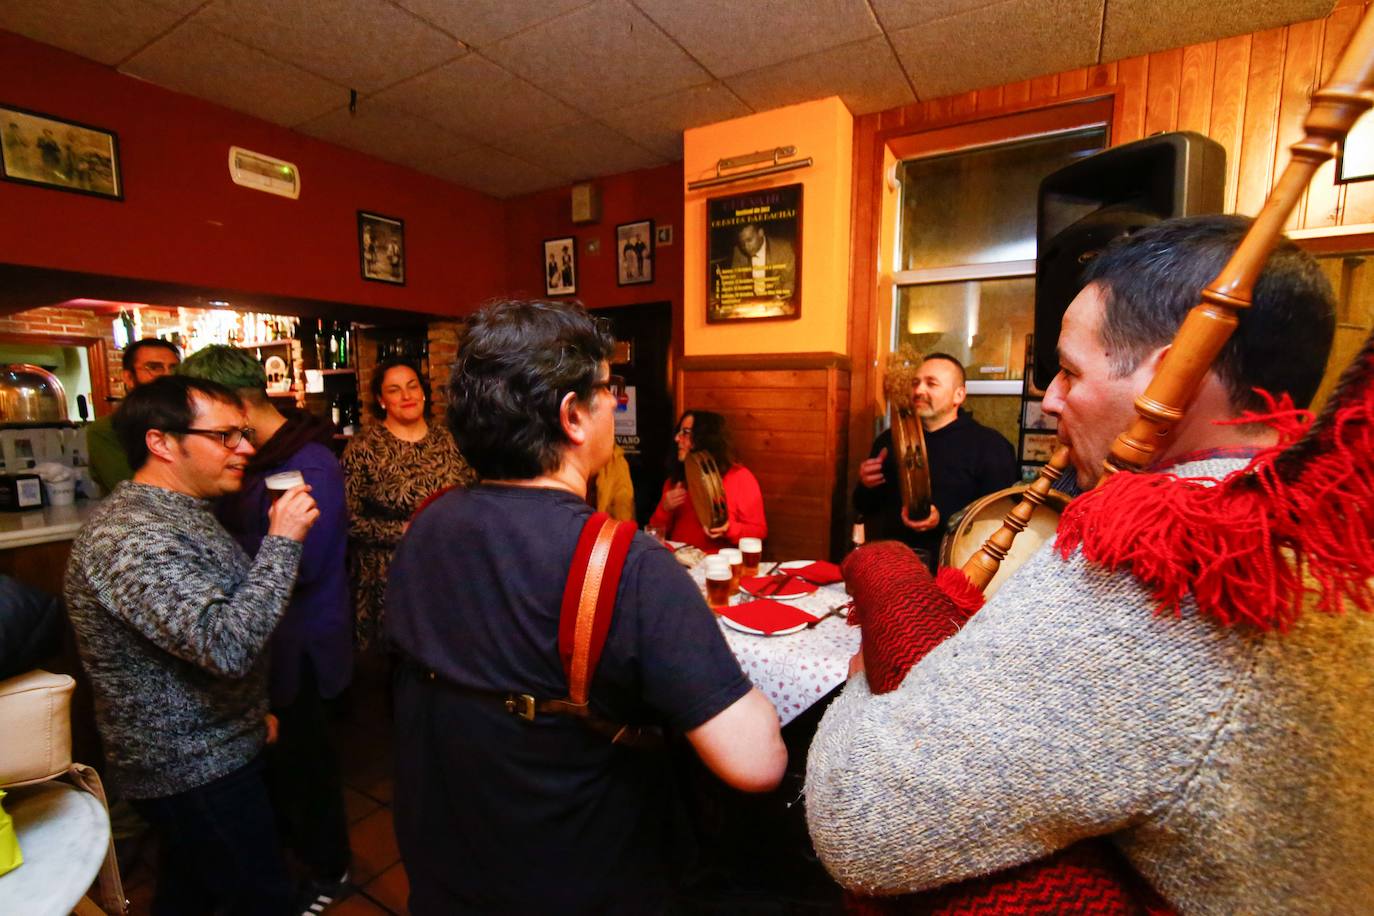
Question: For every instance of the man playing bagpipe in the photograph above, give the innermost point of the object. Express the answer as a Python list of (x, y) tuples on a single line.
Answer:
[(1180, 689)]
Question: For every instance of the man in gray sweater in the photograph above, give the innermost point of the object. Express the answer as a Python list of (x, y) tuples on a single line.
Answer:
[(1232, 765), (171, 620)]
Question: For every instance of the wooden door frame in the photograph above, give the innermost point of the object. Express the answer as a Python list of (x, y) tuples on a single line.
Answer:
[(96, 364)]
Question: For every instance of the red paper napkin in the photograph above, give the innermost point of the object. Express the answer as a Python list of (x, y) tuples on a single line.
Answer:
[(820, 572), (767, 616), (769, 586)]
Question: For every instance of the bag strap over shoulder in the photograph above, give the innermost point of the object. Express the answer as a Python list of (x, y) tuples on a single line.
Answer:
[(589, 600)]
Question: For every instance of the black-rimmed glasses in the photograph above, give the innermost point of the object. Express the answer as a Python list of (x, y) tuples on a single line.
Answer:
[(229, 438), (615, 384)]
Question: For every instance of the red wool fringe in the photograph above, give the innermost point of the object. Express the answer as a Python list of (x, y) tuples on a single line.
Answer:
[(1251, 546), (956, 586)]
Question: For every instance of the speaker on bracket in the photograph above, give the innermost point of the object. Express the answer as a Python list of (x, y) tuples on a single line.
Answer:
[(1088, 203)]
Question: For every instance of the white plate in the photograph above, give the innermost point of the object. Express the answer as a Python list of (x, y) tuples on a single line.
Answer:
[(790, 564), (753, 632)]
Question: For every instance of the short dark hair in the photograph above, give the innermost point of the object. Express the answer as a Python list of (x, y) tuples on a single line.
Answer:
[(164, 403), (1150, 280), (132, 350), (963, 376), (709, 434), (379, 375), (517, 360)]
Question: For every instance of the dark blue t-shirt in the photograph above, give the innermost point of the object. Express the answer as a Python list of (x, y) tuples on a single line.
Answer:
[(495, 814)]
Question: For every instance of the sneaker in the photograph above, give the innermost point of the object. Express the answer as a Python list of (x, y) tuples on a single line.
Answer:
[(317, 896)]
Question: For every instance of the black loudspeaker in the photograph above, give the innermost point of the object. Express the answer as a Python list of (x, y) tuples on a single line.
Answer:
[(1086, 204)]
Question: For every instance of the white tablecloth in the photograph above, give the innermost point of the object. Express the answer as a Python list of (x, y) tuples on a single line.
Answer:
[(796, 670)]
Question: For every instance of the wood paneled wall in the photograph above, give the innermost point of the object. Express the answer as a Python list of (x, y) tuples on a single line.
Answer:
[(1249, 93), (788, 417)]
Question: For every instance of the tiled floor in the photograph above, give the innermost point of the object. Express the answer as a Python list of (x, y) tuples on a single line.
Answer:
[(363, 737)]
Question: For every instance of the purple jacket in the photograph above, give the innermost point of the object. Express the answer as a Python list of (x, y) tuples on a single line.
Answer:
[(318, 624)]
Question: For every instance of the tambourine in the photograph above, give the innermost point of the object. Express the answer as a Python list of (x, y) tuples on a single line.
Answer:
[(913, 465), (973, 525), (706, 489)]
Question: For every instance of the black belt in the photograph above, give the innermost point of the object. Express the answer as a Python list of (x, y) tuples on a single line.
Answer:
[(525, 706)]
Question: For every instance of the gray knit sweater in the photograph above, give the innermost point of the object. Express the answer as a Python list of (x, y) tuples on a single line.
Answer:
[(1234, 768), (171, 618)]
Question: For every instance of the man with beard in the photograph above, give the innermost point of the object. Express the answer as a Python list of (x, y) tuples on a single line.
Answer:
[(966, 459)]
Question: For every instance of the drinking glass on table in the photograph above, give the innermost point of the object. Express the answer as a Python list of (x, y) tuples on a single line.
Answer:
[(717, 582), (736, 561), (752, 549)]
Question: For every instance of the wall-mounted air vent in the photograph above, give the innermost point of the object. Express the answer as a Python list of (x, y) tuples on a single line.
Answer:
[(263, 173)]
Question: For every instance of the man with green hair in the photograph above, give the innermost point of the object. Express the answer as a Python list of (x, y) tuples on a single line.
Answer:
[(312, 649)]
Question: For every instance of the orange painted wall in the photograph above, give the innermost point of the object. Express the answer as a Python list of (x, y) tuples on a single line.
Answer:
[(822, 130), (183, 221)]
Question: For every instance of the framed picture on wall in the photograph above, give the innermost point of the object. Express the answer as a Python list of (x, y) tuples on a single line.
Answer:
[(382, 248), (1034, 417), (560, 266), (51, 152), (1038, 446), (634, 251), (753, 255)]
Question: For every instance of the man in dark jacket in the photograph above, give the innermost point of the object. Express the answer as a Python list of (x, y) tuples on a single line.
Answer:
[(966, 459), (312, 648)]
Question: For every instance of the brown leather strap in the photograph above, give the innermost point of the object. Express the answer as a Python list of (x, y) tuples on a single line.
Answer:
[(580, 674)]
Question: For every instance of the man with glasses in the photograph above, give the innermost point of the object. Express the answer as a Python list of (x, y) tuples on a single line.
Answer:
[(172, 619), (144, 361)]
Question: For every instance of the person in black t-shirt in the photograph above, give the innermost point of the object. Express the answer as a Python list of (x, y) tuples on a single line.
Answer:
[(494, 813), (967, 460)]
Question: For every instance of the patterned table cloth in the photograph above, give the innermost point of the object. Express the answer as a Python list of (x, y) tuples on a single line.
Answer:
[(796, 670)]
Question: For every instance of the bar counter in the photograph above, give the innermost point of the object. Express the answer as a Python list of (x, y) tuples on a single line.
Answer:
[(45, 525)]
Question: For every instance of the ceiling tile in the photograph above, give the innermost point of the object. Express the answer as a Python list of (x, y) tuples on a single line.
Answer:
[(242, 79), (103, 30), (599, 58), (730, 37), (478, 99), (1141, 26), (480, 22), (387, 133), (903, 14), (582, 150), (493, 172), (865, 75), (362, 44), (658, 123), (1011, 41)]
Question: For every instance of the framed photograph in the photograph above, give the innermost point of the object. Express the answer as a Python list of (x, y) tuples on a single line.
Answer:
[(753, 263), (560, 266), (50, 152), (1038, 446), (382, 248), (663, 235), (1035, 417), (634, 252)]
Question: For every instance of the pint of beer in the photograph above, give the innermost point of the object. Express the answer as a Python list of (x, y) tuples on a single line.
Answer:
[(717, 582), (736, 561), (277, 484), (752, 549)]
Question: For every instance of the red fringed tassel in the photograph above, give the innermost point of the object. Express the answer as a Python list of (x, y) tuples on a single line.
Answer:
[(966, 596), (1251, 546)]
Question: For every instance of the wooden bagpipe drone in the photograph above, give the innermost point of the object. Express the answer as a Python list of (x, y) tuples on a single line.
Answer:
[(1298, 520)]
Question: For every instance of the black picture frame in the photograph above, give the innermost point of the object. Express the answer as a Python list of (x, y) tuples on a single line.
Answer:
[(560, 266), (766, 223), (50, 152), (382, 248), (634, 253)]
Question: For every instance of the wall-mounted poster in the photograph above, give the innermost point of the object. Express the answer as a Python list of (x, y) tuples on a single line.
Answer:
[(753, 263), (56, 153), (382, 248), (560, 266)]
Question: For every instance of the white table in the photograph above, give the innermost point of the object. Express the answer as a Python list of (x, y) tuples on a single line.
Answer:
[(797, 670), (63, 834)]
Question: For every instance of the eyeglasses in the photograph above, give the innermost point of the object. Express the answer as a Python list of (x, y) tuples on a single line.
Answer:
[(615, 384), (229, 438), (683, 431)]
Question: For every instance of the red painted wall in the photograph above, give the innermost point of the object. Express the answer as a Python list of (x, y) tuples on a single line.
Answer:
[(182, 220), (654, 194)]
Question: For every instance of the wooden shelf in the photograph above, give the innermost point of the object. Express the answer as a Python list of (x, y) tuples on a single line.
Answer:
[(337, 371), (285, 341)]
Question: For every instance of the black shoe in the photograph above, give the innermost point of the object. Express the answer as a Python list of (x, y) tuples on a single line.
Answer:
[(317, 896)]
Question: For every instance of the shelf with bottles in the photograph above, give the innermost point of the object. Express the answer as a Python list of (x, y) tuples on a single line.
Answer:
[(330, 343)]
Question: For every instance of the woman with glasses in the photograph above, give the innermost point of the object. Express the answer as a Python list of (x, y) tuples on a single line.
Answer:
[(703, 430), (389, 469)]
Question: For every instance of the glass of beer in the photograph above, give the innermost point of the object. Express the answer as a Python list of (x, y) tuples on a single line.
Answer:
[(752, 549), (717, 582), (279, 483), (736, 561)]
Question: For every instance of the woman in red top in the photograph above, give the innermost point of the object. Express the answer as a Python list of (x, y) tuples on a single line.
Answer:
[(705, 431)]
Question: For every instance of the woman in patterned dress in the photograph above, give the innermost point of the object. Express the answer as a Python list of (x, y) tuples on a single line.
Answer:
[(390, 467)]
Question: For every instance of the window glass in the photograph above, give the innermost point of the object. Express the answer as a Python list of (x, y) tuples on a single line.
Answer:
[(983, 323), (978, 207)]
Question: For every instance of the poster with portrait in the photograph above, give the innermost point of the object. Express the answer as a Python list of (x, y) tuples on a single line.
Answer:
[(634, 250), (382, 248), (560, 266), (753, 255)]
